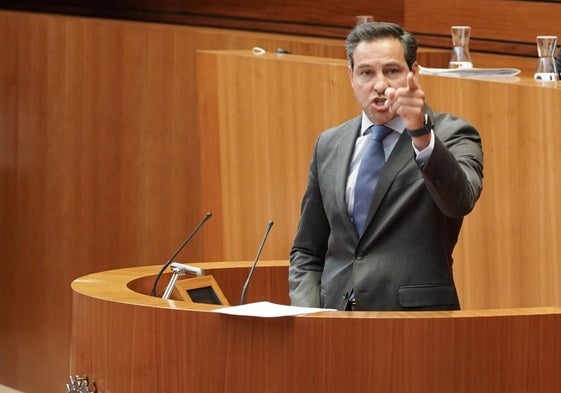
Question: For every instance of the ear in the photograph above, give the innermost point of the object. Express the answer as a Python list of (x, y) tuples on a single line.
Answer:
[(350, 71)]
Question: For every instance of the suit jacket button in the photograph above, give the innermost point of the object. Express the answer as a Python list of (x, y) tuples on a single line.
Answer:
[(359, 257)]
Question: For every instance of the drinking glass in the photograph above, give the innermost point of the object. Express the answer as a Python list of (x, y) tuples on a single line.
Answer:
[(546, 69), (460, 57)]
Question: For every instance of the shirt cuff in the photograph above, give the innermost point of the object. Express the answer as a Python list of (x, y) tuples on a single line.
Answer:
[(423, 156)]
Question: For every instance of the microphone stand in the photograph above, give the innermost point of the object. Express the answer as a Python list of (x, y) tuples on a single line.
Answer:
[(244, 289), (171, 284), (206, 217)]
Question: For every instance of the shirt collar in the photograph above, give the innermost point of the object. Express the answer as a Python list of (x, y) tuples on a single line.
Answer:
[(397, 124)]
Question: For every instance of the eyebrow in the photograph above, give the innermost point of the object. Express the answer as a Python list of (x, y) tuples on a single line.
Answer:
[(385, 65)]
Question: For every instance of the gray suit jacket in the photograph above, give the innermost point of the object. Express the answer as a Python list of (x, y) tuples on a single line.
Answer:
[(403, 261)]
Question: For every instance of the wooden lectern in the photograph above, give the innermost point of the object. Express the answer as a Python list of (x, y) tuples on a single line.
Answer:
[(129, 342)]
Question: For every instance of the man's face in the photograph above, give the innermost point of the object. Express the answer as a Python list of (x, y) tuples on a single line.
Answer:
[(378, 65)]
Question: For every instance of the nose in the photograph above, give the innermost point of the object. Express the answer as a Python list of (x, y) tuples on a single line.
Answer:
[(380, 84)]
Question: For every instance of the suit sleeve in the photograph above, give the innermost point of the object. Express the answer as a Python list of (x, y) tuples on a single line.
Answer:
[(454, 173), (308, 251)]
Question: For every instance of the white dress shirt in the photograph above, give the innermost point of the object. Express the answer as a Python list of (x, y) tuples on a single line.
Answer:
[(398, 125)]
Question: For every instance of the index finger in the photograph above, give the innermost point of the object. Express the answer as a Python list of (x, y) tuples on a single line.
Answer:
[(411, 82)]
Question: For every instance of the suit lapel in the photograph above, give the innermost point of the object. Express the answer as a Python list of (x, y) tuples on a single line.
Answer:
[(345, 148)]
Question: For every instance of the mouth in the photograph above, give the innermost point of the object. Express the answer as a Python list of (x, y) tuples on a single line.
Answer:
[(380, 102)]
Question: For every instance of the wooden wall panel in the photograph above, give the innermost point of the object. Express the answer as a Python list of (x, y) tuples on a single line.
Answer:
[(95, 115), (331, 18), (99, 165), (506, 27), (258, 140)]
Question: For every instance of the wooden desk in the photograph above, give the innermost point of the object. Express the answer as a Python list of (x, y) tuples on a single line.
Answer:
[(509, 253), (260, 116), (129, 342)]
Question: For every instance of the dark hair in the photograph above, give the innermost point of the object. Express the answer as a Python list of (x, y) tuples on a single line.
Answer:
[(373, 31)]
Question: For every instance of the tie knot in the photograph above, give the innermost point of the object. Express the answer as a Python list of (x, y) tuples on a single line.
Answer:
[(379, 133)]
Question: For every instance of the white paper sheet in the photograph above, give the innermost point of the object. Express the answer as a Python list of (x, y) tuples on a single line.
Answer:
[(471, 72), (268, 310)]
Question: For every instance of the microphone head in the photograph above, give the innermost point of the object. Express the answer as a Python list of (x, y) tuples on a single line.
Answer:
[(187, 269)]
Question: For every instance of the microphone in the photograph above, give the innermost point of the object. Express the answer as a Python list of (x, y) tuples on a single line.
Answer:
[(169, 261), (267, 230), (187, 269)]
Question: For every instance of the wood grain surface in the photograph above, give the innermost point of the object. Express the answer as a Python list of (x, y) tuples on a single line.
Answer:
[(130, 342)]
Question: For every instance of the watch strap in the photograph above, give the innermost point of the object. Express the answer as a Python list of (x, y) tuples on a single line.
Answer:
[(424, 130)]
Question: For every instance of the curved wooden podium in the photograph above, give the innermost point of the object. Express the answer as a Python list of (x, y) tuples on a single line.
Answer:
[(129, 342)]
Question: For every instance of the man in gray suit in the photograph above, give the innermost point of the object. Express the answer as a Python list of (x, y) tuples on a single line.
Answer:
[(401, 257)]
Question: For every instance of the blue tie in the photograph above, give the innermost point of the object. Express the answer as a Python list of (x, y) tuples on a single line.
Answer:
[(369, 170)]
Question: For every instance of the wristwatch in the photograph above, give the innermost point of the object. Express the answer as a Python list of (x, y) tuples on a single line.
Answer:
[(425, 129)]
